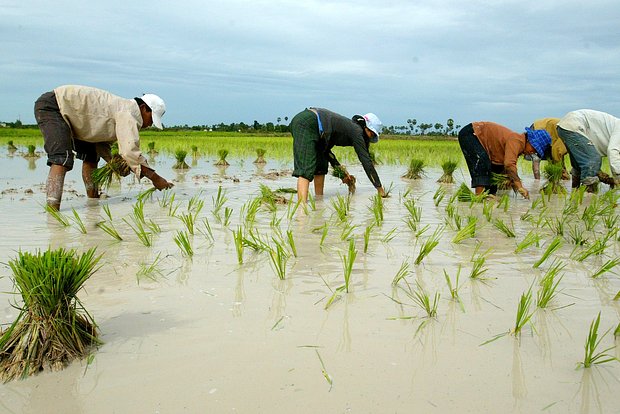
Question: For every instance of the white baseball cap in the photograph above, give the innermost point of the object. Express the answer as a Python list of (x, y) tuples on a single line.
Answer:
[(374, 124), (158, 107)]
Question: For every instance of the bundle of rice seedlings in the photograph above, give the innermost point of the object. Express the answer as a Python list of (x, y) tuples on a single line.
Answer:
[(416, 169), (194, 151), (113, 170), (260, 156), (11, 146), (223, 153), (464, 193), (31, 152), (553, 174), (52, 327), (501, 181), (448, 168), (151, 148), (340, 171), (180, 157)]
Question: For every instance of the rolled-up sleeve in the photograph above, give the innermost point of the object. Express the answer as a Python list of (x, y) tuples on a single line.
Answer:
[(128, 136)]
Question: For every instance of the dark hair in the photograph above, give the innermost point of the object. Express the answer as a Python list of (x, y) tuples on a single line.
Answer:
[(139, 101), (361, 121)]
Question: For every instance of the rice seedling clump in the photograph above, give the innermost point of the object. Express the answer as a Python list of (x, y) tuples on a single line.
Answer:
[(180, 157), (52, 327), (416, 169), (448, 168)]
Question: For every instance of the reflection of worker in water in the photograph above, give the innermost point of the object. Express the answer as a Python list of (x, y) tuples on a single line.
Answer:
[(316, 131), (558, 149), (84, 119), (589, 136), (492, 148)]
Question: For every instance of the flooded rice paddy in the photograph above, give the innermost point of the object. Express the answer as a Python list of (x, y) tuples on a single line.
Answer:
[(204, 333)]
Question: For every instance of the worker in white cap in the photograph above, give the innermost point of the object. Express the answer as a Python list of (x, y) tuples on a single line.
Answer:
[(86, 121), (316, 131)]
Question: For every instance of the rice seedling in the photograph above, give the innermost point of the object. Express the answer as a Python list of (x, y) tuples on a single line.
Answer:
[(222, 153), (180, 156), (448, 167), (228, 212), (279, 258), (548, 285), (555, 244), (389, 236), (291, 242), (556, 225), (60, 218), (610, 221), (239, 244), (260, 156), (367, 232), (416, 169), (553, 174), (508, 230), (326, 375), (479, 261), (617, 297), (439, 196), (341, 207), (189, 221), (78, 221), (194, 151), (596, 248), (429, 244), (311, 201), (617, 331), (421, 297), (111, 171), (376, 209), (576, 195), (270, 198), (138, 211), (108, 213), (255, 242), (324, 228), (292, 208), (523, 312), (340, 171), (570, 208), (501, 181), (31, 151), (453, 287), (464, 193), (487, 210), (146, 194), (421, 231), (109, 229), (531, 238), (467, 231), (167, 198), (606, 267), (347, 263), (52, 327), (218, 202), (504, 202), (144, 236), (151, 148), (402, 273), (592, 356), (181, 239), (347, 230), (150, 271), (195, 204), (11, 146), (577, 235)]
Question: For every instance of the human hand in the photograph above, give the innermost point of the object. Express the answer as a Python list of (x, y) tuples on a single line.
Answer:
[(523, 191), (161, 183)]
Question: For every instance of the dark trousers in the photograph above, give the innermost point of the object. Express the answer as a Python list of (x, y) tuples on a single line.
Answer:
[(478, 160)]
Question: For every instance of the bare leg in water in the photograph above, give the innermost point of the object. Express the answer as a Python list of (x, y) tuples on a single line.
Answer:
[(92, 191), (54, 186)]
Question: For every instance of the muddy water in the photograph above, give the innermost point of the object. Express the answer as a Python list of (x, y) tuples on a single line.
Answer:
[(205, 334)]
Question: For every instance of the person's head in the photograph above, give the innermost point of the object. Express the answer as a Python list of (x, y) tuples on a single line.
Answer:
[(371, 124), (152, 108), (538, 141)]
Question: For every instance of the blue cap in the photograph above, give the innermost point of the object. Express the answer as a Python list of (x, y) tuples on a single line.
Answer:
[(539, 139)]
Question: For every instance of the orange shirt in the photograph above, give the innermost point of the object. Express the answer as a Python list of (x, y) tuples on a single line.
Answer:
[(502, 144)]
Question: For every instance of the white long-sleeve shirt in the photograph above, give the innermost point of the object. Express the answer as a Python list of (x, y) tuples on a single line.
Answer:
[(96, 115), (602, 129)]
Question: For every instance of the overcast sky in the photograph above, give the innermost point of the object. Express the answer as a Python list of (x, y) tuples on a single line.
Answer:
[(233, 60)]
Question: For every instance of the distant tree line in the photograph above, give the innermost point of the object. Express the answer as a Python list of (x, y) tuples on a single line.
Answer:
[(413, 127)]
